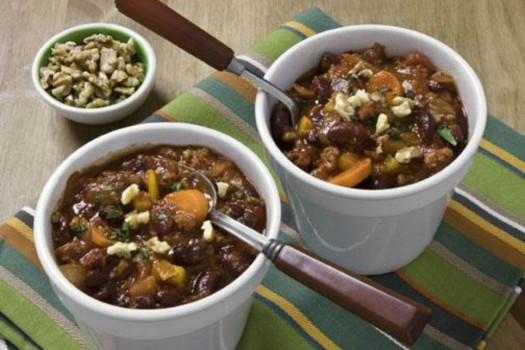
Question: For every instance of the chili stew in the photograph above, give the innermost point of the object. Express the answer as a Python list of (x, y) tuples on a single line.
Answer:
[(133, 231), (372, 121)]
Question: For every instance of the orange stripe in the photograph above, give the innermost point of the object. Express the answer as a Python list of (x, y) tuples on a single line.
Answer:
[(20, 243), (484, 238), (21, 227), (162, 114), (241, 86), (458, 313)]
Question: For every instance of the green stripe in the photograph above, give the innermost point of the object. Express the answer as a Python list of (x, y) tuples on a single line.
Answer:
[(504, 137), (476, 256), (188, 108), (266, 330), (501, 315), (316, 20), (230, 98), (274, 44), (454, 288), (25, 270), (426, 343), (498, 184), (335, 322), (37, 325), (16, 337)]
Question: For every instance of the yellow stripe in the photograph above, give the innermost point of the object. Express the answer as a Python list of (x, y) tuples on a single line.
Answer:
[(18, 225), (298, 317), (502, 154), (300, 28), (495, 231), (482, 344)]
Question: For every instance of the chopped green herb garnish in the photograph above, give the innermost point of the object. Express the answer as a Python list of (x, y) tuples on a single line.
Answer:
[(100, 201), (162, 217), (115, 214), (394, 133), (397, 124), (109, 188), (143, 253), (122, 233), (353, 118), (352, 78), (176, 186), (80, 229), (445, 133), (410, 94)]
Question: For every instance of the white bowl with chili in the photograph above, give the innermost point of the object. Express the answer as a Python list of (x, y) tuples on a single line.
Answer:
[(216, 320), (370, 231)]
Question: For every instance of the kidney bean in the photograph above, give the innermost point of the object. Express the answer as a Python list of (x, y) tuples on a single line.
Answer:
[(250, 188), (168, 296), (253, 216), (378, 183), (347, 133), (427, 126), (374, 55), (280, 121), (179, 255), (112, 213), (165, 226), (95, 278), (323, 89), (144, 302), (236, 210), (461, 120), (435, 86), (328, 59), (122, 300), (104, 294), (207, 282), (233, 260), (187, 255), (94, 259), (62, 233)]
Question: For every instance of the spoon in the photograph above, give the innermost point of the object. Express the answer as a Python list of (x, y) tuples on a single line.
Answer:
[(167, 23), (395, 314)]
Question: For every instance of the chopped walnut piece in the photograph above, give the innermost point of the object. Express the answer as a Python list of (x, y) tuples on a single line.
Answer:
[(96, 73)]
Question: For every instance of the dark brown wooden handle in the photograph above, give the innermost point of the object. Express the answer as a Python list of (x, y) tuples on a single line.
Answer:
[(395, 314), (159, 18)]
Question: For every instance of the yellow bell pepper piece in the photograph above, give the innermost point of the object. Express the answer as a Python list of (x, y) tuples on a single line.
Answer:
[(153, 185)]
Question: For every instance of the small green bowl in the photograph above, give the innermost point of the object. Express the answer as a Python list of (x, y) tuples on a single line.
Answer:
[(112, 112)]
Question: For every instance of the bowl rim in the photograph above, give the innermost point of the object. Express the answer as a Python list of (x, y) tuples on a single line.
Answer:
[(143, 88), (391, 193), (46, 257)]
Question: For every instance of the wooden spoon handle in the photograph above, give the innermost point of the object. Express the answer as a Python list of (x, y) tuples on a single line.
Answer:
[(395, 314), (159, 18)]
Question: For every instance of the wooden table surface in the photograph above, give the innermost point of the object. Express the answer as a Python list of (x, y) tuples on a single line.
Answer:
[(34, 140)]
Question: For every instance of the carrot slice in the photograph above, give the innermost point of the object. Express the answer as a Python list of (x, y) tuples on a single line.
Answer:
[(191, 201), (354, 175), (385, 80)]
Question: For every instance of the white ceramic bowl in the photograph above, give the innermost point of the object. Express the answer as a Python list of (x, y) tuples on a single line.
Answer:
[(370, 231), (111, 113), (215, 322)]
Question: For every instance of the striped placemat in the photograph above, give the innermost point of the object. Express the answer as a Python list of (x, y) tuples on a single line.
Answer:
[(469, 276)]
